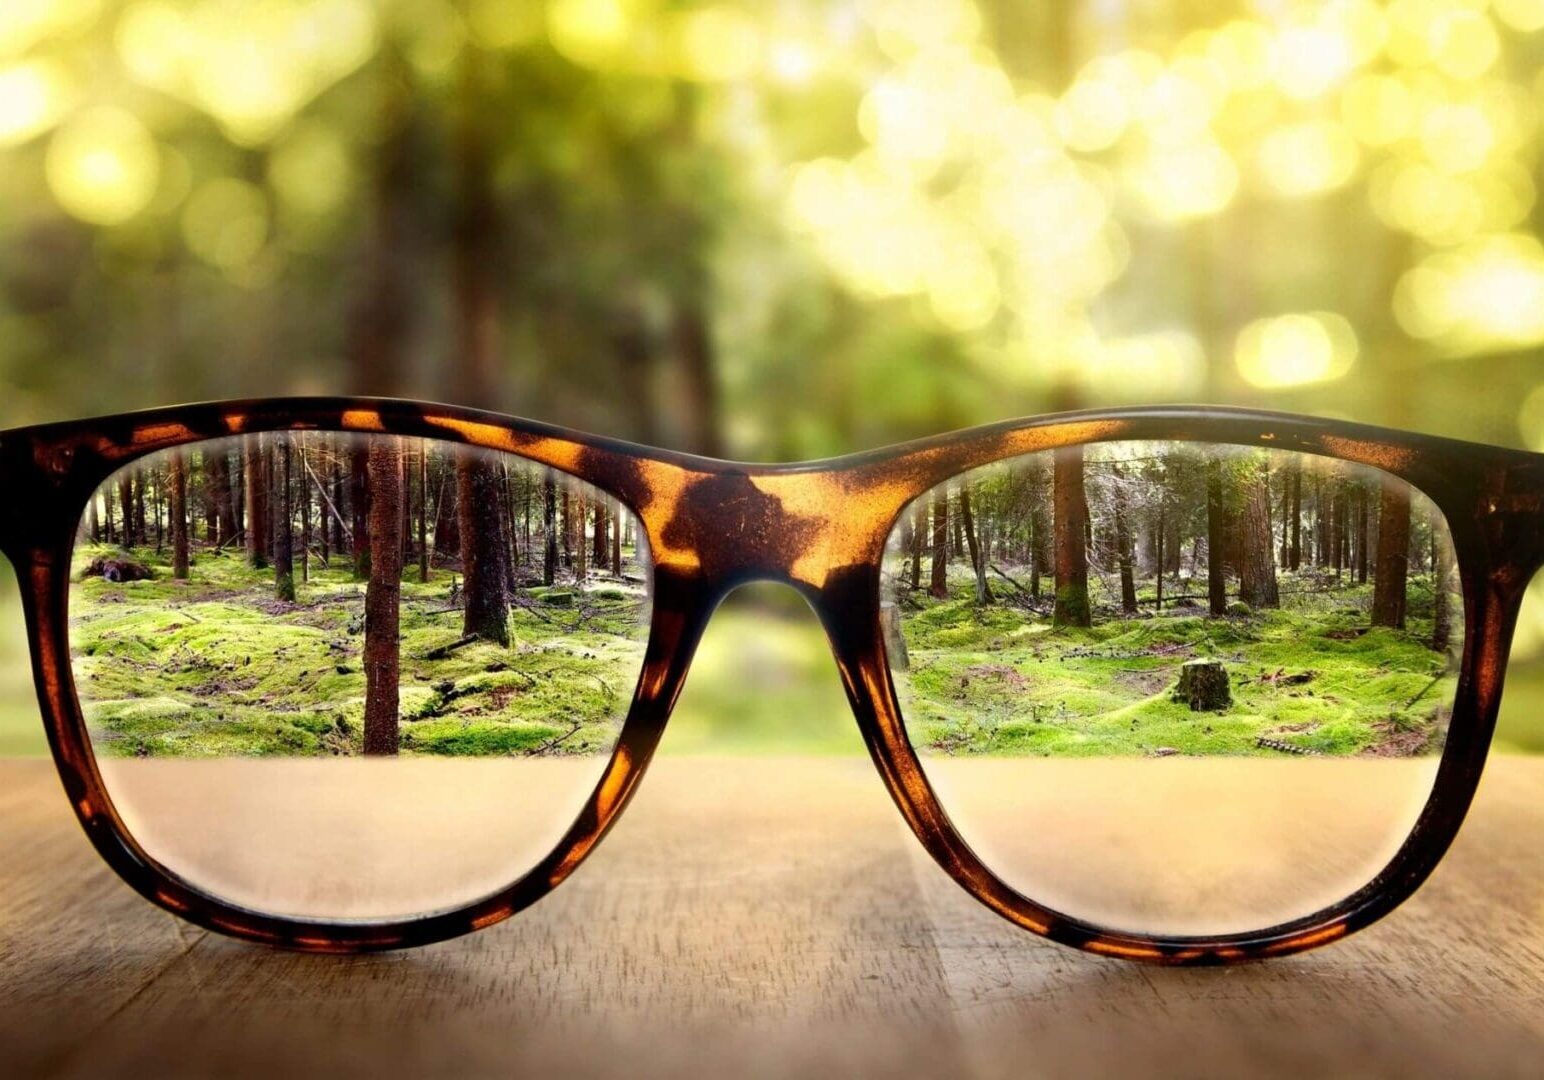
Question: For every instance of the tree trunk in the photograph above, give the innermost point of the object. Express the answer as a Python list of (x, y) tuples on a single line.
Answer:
[(1070, 507), (919, 527), (973, 542), (549, 559), (255, 466), (139, 509), (483, 549), (1203, 685), (339, 497), (1128, 583), (600, 536), (359, 495), (938, 583), (126, 508), (217, 477), (566, 498), (383, 594), (1442, 579), (303, 477), (423, 512), (1388, 595), (1363, 530), (447, 530), (283, 523), (1295, 547), (616, 542), (1216, 541), (1257, 565), (179, 515)]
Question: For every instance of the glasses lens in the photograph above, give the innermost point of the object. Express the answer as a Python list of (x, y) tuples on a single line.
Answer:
[(1176, 688), (353, 677)]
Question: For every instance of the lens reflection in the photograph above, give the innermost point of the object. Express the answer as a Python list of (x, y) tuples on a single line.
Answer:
[(355, 677), (1176, 688)]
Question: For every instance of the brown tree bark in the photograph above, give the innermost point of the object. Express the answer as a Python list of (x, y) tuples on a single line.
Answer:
[(1442, 581), (1295, 546), (217, 477), (303, 480), (283, 522), (339, 497), (600, 535), (1257, 556), (179, 515), (126, 507), (383, 594), (580, 509), (1363, 534), (423, 512), (1216, 541), (1128, 581), (140, 531), (918, 531), (938, 582), (549, 497), (973, 543), (1070, 507), (255, 466), (483, 549), (616, 541), (447, 529), (1388, 591), (359, 495)]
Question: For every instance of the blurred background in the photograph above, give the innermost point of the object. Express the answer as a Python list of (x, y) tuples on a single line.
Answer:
[(776, 230)]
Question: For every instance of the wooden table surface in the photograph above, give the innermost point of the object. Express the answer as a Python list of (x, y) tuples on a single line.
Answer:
[(765, 917)]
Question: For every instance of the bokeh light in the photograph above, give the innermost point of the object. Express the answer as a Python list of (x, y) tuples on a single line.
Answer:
[(225, 222), (1296, 349), (102, 166), (32, 97), (1487, 293)]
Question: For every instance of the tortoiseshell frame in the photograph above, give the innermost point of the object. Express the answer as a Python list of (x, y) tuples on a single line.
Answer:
[(820, 527)]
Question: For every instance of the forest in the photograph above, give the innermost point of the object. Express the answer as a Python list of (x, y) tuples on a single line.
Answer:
[(304, 593), (1161, 598), (781, 232)]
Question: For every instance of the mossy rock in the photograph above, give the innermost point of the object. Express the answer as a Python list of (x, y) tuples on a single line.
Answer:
[(1240, 609)]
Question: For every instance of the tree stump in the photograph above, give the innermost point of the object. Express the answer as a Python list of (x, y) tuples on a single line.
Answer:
[(1203, 684), (895, 644), (117, 570)]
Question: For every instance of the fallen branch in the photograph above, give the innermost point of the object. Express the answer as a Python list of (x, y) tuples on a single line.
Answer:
[(555, 741), (998, 571), (1426, 689), (443, 651)]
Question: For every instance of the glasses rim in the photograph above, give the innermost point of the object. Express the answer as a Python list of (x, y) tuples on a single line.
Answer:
[(819, 527)]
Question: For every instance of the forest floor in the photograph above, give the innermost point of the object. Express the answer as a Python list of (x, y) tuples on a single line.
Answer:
[(217, 666), (1310, 676)]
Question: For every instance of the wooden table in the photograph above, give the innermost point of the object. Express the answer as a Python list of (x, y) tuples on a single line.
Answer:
[(769, 918)]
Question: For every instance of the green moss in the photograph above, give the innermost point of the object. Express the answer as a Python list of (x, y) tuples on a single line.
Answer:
[(222, 665), (1003, 680)]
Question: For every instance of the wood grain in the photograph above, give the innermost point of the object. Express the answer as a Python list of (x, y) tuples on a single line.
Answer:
[(762, 917)]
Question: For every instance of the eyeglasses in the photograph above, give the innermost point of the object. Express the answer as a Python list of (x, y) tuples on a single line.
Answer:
[(1187, 685)]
